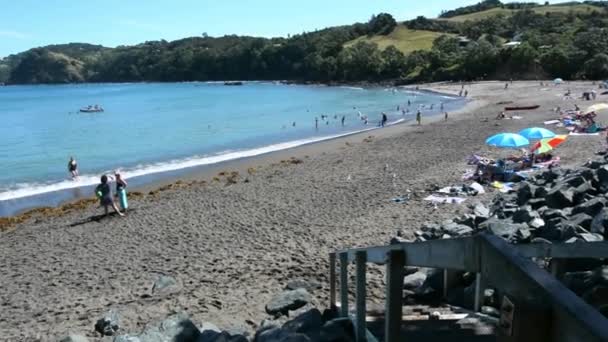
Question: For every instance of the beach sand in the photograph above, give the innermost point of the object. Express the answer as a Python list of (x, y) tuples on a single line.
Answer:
[(231, 247)]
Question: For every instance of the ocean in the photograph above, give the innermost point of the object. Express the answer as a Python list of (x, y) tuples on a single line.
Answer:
[(153, 130)]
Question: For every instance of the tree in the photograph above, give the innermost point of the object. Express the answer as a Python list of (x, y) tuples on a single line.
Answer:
[(382, 24), (361, 61), (597, 67), (393, 62), (523, 57)]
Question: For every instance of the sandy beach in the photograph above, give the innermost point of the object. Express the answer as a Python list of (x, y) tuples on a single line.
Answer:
[(233, 236)]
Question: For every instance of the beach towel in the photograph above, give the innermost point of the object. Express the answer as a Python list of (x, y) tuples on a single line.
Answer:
[(575, 133), (440, 199), (502, 187)]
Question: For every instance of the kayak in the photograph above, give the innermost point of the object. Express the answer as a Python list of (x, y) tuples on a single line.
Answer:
[(523, 107)]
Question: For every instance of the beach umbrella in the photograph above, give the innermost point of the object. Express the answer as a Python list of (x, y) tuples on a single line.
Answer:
[(546, 145), (558, 81), (596, 107), (536, 133), (507, 140)]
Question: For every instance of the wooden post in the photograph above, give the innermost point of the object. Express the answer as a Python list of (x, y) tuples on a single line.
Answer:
[(478, 290), (332, 281), (343, 284), (361, 260), (394, 295)]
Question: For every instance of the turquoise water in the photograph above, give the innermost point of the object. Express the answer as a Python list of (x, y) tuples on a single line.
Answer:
[(157, 128)]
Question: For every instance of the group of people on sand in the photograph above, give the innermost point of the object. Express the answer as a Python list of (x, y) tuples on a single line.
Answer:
[(103, 190)]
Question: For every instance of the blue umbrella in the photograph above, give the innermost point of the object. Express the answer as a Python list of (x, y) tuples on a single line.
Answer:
[(536, 133), (509, 140)]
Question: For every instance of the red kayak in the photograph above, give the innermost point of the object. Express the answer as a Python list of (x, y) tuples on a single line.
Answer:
[(523, 107)]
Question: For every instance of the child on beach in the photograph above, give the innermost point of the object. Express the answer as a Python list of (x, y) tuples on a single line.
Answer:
[(104, 193), (121, 191)]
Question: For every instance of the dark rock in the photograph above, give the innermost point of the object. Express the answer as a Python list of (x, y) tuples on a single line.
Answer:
[(560, 198), (74, 338), (338, 330), (288, 300), (308, 323), (595, 164), (541, 192), (507, 230), (467, 220), (537, 203), (581, 192), (414, 281), (580, 219), (278, 335), (591, 207), (553, 213), (570, 231), (179, 328), (574, 181), (598, 298), (525, 192), (308, 285), (599, 225), (552, 230), (108, 325), (602, 174), (397, 240), (524, 215)]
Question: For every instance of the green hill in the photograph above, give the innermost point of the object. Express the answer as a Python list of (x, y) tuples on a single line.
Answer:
[(404, 39), (579, 8)]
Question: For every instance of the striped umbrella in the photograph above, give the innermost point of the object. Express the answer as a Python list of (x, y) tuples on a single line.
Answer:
[(546, 145)]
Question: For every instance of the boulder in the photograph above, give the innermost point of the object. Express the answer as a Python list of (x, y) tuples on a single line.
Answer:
[(524, 215), (574, 180), (414, 281), (591, 237), (457, 229), (468, 220), (109, 324), (570, 231), (480, 210), (595, 164), (74, 338), (288, 300), (275, 334), (179, 327), (165, 284), (536, 223), (599, 224), (542, 191), (580, 219), (342, 330), (598, 298), (507, 230), (308, 324), (308, 285), (602, 175), (553, 213), (525, 192), (560, 198), (583, 192), (537, 203), (591, 207), (490, 311)]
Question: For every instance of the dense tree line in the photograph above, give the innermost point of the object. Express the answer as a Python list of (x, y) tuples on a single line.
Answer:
[(568, 45)]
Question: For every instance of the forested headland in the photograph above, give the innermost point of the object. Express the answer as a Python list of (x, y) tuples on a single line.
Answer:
[(490, 40)]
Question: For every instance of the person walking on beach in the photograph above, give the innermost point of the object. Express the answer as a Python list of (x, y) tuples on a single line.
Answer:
[(104, 193), (121, 191), (384, 119), (73, 168), (445, 116), (466, 93), (419, 118)]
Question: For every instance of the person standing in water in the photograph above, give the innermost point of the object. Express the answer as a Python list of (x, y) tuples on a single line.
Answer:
[(121, 191), (73, 168), (343, 118), (104, 193), (384, 119), (419, 118), (316, 122)]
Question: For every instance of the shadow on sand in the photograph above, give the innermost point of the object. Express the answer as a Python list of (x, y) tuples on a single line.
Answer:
[(97, 218)]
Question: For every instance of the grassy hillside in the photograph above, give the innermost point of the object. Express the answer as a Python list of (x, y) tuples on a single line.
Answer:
[(402, 38), (540, 10)]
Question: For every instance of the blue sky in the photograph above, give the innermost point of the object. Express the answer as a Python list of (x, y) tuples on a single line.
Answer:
[(29, 23)]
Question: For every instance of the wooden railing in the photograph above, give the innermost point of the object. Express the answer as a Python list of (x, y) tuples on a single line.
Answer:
[(538, 306)]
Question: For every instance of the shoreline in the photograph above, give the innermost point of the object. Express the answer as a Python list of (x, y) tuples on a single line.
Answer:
[(231, 244), (155, 180)]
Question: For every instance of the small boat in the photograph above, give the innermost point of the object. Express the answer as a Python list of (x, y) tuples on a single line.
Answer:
[(91, 110), (233, 83), (523, 107)]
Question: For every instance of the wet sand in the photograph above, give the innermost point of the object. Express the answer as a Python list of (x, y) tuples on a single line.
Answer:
[(234, 240)]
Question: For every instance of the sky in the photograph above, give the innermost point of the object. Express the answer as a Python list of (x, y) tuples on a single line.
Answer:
[(25, 24)]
